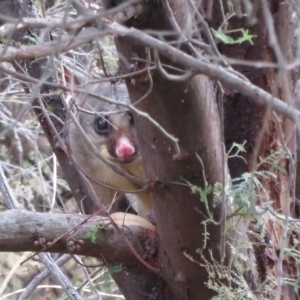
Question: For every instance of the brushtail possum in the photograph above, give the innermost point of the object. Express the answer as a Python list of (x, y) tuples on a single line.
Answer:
[(111, 129)]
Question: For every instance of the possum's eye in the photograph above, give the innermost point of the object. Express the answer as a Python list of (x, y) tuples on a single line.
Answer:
[(131, 119), (101, 126)]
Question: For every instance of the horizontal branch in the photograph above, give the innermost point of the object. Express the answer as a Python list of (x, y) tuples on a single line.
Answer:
[(196, 66), (119, 14), (225, 76), (93, 236), (11, 53)]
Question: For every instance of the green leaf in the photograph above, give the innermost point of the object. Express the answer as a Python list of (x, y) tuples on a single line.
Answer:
[(220, 34), (228, 40), (91, 234)]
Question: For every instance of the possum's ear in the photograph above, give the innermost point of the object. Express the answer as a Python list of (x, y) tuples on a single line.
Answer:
[(67, 79), (74, 80), (70, 79)]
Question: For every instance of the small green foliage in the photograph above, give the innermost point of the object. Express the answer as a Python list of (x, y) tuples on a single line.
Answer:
[(10, 42), (91, 234), (238, 149), (76, 281), (246, 187), (110, 271), (114, 269), (203, 192), (228, 40), (246, 196), (272, 160), (31, 39)]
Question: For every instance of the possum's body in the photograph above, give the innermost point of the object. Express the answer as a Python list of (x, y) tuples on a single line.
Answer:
[(115, 137)]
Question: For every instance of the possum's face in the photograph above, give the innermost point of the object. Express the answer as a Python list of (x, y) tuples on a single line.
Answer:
[(115, 136), (114, 132)]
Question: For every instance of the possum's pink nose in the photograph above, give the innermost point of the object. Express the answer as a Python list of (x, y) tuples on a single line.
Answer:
[(124, 148)]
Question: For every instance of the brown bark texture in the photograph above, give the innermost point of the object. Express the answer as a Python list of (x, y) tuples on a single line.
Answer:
[(53, 128), (264, 133), (191, 230), (77, 234), (182, 108)]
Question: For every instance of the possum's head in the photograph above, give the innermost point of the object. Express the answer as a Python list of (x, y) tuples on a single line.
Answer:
[(111, 128)]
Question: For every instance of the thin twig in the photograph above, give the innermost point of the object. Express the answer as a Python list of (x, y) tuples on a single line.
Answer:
[(38, 279), (229, 79)]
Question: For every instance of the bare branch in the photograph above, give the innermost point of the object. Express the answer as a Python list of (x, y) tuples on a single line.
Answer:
[(65, 233), (45, 257), (42, 50), (41, 277), (229, 79)]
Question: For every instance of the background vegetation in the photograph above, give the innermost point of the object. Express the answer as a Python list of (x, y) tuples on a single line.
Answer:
[(214, 93)]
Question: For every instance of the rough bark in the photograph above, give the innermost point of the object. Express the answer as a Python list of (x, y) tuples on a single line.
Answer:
[(53, 128), (22, 230), (188, 111), (255, 124)]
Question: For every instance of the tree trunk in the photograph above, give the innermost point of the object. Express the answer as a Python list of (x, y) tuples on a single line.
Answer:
[(265, 133), (185, 157), (188, 111)]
